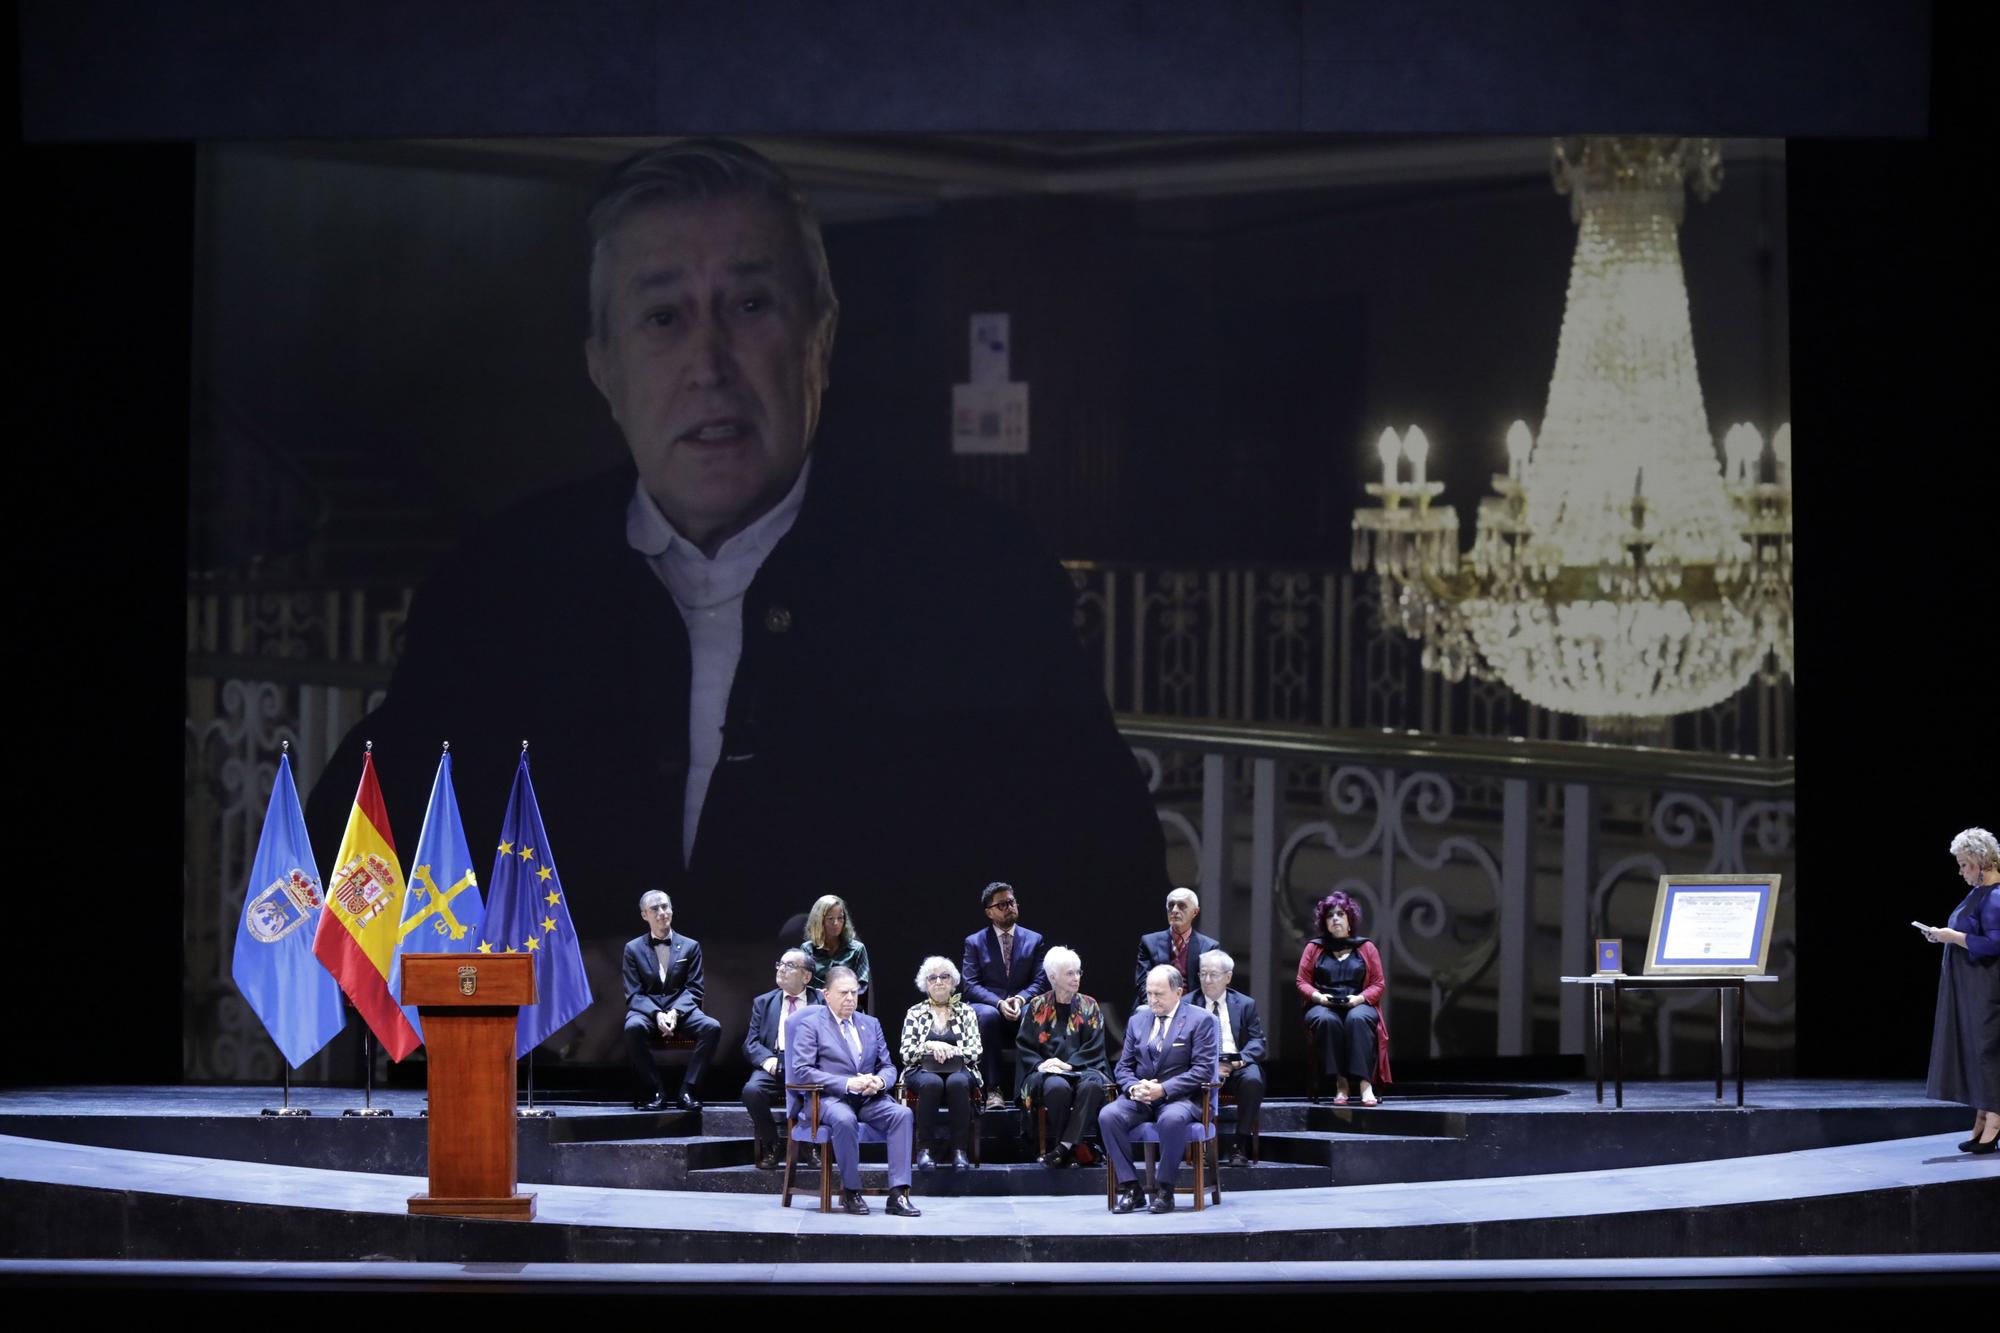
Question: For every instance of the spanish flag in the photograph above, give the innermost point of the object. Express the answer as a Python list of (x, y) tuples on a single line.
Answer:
[(363, 918)]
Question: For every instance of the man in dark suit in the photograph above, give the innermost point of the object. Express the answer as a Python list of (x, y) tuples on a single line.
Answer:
[(1171, 1050), (1180, 946), (1002, 971), (1241, 1065), (663, 991), (771, 1015), (844, 1053)]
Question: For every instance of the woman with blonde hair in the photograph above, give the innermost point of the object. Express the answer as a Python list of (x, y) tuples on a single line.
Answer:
[(831, 941), (1965, 1042)]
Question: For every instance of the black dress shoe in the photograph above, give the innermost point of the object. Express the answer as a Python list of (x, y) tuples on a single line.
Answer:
[(687, 1102), (1131, 1200), (811, 1162), (924, 1161), (768, 1159), (899, 1205), (852, 1202), (1058, 1157), (1163, 1201), (1989, 1146), (959, 1160), (1237, 1157), (655, 1103)]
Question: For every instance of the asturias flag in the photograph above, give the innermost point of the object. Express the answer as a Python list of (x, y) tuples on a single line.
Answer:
[(442, 911), (293, 996), (363, 917), (527, 914)]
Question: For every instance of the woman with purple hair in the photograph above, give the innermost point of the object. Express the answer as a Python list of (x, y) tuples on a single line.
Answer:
[(1340, 978)]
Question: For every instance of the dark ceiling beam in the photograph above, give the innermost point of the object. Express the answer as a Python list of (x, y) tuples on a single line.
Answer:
[(144, 70)]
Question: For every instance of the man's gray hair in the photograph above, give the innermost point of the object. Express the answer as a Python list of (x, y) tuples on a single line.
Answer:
[(1981, 846), (1175, 981), (1193, 898), (646, 898), (1218, 960), (836, 973), (1062, 958), (936, 963), (699, 170)]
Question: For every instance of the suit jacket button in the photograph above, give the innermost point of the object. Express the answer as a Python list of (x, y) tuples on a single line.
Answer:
[(778, 619)]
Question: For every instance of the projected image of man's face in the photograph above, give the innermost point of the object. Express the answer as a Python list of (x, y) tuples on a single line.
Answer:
[(708, 359)]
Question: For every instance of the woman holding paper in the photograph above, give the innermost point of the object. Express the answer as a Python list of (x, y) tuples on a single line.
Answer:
[(1965, 1044)]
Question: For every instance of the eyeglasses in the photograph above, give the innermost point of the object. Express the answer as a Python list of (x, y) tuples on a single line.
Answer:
[(1003, 902), (783, 966), (1206, 975), (940, 976)]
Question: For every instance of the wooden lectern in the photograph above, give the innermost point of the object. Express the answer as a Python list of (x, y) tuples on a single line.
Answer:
[(468, 1003)]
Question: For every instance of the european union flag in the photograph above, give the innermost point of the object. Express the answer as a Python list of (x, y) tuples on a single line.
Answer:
[(290, 990), (527, 914), (443, 911)]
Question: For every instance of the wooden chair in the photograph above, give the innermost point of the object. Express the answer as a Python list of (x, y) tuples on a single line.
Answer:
[(808, 1129), (1201, 1143), (1226, 1101)]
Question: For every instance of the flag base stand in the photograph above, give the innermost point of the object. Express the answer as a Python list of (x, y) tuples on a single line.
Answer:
[(506, 1207), (285, 1111), (368, 1112)]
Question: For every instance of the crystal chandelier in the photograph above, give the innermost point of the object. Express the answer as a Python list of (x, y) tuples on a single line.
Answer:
[(1622, 571)]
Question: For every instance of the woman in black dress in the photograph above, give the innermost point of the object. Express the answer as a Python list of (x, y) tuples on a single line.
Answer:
[(1965, 1045), (1340, 978)]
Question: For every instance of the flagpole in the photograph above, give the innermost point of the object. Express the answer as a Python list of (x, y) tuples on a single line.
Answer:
[(368, 1106), (531, 1110), (286, 1109)]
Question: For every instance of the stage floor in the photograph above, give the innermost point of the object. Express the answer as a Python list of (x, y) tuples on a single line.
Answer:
[(77, 1190)]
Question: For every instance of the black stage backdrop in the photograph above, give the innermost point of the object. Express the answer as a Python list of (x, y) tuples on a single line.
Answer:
[(1897, 531)]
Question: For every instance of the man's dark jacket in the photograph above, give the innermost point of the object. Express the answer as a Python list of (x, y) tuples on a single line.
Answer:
[(911, 719)]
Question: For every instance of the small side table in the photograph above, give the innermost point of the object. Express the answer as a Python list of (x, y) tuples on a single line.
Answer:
[(1618, 983)]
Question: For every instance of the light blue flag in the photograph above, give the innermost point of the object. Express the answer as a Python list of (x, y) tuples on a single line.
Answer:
[(291, 992), (442, 912), (529, 914)]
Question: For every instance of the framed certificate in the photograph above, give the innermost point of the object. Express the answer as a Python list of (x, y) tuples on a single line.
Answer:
[(1712, 925)]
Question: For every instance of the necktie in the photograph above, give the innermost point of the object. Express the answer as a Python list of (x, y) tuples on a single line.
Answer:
[(853, 1037), (1007, 951), (791, 1007), (1159, 1033), (662, 950)]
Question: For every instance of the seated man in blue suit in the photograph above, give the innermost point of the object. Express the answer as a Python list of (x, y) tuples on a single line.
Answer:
[(1242, 1064), (1180, 946), (1003, 972), (844, 1054), (663, 990), (1171, 1049), (771, 1014)]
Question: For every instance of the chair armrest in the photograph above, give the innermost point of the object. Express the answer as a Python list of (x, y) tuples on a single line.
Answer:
[(1208, 1104), (812, 1091)]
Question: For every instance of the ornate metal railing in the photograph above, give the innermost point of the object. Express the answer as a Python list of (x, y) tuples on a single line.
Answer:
[(1487, 866), (1296, 644)]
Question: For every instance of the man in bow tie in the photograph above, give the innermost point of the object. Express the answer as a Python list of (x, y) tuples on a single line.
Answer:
[(771, 1017), (663, 991), (1242, 1046), (1171, 1050), (843, 1052)]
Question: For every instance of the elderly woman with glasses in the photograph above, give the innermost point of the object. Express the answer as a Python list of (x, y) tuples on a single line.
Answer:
[(941, 1060), (1062, 1063), (1965, 1042)]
